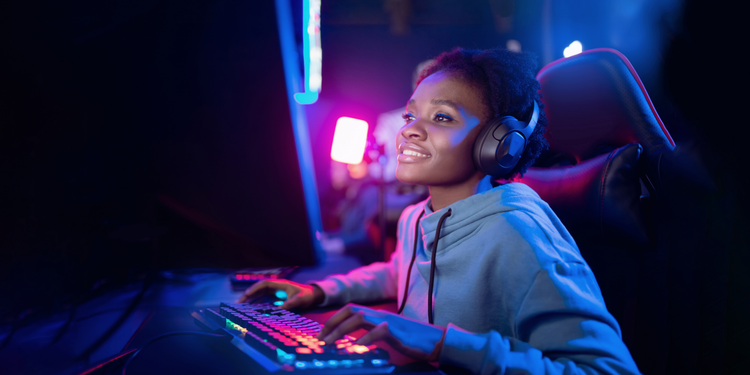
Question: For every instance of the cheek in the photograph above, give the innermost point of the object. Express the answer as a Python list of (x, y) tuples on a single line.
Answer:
[(455, 147)]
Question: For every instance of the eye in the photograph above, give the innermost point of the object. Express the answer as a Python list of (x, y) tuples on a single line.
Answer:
[(407, 117), (442, 118)]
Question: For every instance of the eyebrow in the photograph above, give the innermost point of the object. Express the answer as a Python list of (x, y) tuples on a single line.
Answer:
[(449, 103), (445, 102)]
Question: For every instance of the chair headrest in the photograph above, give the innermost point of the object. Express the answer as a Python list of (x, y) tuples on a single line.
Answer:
[(598, 198), (595, 99)]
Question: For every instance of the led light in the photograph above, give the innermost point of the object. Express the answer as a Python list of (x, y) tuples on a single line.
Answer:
[(300, 364), (357, 171), (280, 294), (312, 52), (573, 49), (284, 357), (513, 45), (377, 362), (360, 349), (349, 140), (278, 303)]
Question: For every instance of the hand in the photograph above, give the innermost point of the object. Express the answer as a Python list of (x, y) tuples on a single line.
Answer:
[(299, 296), (416, 339)]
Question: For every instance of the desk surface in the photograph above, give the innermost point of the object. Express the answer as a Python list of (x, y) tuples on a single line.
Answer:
[(164, 308)]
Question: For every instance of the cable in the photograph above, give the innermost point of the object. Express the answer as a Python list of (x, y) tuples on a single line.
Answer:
[(65, 326), (150, 278), (13, 329), (176, 333), (86, 353)]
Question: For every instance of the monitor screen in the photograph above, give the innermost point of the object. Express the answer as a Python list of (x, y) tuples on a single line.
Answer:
[(150, 133), (228, 182)]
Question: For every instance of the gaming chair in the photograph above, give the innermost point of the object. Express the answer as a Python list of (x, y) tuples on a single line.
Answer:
[(602, 178)]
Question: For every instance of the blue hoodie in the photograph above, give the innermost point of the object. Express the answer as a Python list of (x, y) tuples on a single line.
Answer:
[(509, 274)]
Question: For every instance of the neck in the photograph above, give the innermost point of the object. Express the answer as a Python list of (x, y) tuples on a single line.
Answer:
[(445, 195)]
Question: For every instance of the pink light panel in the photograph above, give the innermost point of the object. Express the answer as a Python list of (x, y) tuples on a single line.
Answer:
[(349, 140)]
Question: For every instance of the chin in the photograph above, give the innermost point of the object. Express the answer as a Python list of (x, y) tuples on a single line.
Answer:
[(412, 181), (409, 177)]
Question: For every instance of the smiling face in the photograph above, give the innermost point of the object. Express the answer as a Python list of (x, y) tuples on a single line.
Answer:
[(443, 118)]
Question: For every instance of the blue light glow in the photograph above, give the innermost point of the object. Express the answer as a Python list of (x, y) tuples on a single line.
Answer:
[(280, 294), (312, 52), (299, 121), (284, 357), (306, 97), (278, 303)]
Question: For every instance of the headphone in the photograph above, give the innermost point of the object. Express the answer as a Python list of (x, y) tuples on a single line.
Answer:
[(501, 143)]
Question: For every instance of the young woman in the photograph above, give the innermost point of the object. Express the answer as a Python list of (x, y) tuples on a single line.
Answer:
[(486, 276)]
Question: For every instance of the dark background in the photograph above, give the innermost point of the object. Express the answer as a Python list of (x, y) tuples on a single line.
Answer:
[(90, 91)]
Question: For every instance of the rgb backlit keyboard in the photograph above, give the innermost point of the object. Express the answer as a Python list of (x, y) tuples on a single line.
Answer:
[(289, 340)]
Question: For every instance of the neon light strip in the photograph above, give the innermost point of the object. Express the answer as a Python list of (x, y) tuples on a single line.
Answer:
[(313, 53), (236, 327)]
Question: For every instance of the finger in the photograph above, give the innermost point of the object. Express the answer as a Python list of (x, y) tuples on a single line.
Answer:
[(380, 332), (292, 303), (291, 289), (256, 289), (355, 322), (251, 291), (334, 321)]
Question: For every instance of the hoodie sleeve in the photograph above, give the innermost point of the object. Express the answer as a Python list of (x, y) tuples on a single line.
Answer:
[(376, 281), (562, 327)]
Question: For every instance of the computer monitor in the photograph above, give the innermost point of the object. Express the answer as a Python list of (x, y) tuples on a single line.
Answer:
[(149, 135), (230, 191)]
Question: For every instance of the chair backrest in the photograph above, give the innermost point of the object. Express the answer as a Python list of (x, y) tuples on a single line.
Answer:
[(601, 177), (596, 99)]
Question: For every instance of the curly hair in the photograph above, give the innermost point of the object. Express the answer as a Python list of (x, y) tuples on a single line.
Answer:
[(508, 84)]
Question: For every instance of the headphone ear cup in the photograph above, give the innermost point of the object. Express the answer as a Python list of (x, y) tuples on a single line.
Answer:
[(485, 148), (488, 144), (501, 143)]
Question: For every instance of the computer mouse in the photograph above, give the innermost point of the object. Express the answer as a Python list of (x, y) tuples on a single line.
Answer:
[(276, 299)]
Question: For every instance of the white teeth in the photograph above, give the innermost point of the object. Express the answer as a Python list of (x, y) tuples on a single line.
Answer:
[(414, 153)]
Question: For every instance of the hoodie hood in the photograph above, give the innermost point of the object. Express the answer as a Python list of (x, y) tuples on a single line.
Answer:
[(467, 215)]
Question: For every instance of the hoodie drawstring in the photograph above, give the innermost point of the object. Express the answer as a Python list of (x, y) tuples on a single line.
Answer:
[(413, 257), (432, 263)]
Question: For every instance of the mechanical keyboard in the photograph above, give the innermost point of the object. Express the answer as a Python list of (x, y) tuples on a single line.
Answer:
[(282, 340)]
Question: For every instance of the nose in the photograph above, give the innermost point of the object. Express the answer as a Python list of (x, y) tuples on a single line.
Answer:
[(414, 130)]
